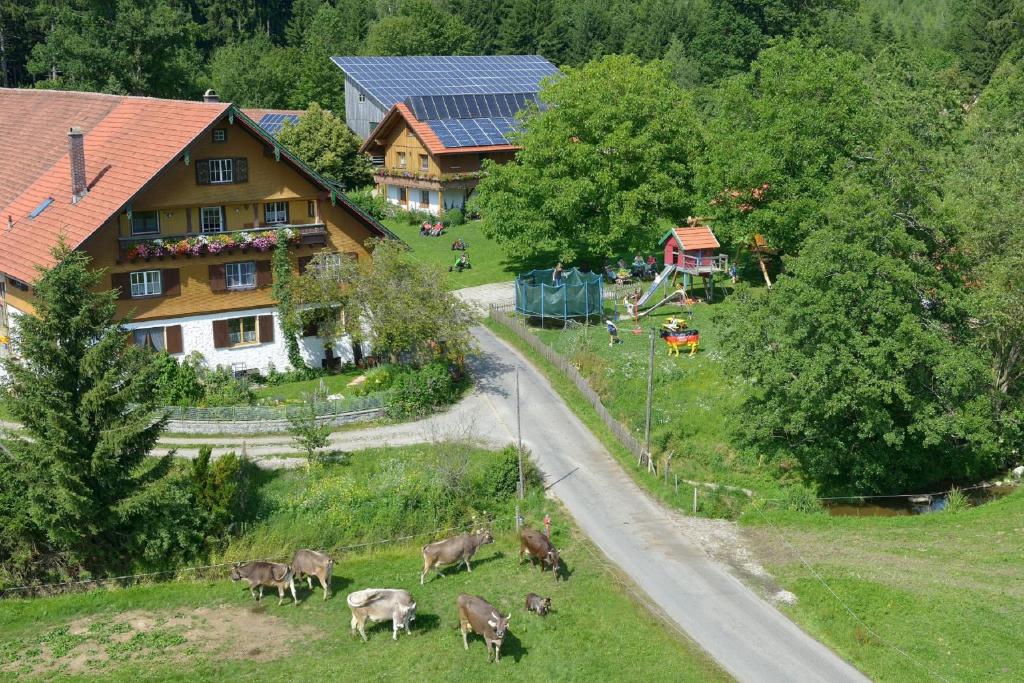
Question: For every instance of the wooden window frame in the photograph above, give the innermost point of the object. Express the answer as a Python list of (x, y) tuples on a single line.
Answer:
[(151, 331), (403, 196), (223, 135), (202, 219), (131, 223), (244, 271), (224, 168), (424, 162), (424, 204), (310, 208), (402, 161), (146, 282), (266, 212), (237, 326)]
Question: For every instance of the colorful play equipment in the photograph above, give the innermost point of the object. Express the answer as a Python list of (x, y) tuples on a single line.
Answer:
[(676, 339), (578, 295)]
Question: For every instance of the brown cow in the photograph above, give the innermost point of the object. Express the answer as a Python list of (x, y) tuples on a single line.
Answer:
[(453, 550), (272, 574), (540, 547), (535, 603), (310, 563), (476, 615)]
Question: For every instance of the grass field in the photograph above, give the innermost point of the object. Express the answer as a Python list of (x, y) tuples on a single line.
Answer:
[(297, 391), (486, 255), (946, 588), (211, 629)]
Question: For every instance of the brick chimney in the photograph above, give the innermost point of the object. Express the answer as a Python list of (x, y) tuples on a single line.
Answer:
[(211, 96), (76, 151)]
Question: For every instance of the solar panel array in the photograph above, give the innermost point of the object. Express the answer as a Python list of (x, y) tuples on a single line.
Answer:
[(469, 106), (272, 123), (473, 132), (389, 80)]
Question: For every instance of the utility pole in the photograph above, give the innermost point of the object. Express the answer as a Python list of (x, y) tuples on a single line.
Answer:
[(519, 454), (650, 396)]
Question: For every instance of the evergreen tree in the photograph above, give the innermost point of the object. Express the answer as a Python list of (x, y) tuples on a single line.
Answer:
[(85, 400), (483, 17), (420, 28), (522, 26), (255, 73), (986, 28)]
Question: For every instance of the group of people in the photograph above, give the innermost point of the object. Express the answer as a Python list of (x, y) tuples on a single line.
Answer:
[(640, 269), (428, 230)]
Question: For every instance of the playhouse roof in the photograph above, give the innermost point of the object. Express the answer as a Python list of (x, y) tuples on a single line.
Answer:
[(692, 237)]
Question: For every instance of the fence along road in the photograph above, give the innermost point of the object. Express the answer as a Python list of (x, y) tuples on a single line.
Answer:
[(749, 638)]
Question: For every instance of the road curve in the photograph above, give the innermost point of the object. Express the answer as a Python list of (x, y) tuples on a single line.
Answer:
[(748, 637)]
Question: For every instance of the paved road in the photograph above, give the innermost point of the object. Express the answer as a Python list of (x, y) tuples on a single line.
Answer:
[(749, 638), (483, 296)]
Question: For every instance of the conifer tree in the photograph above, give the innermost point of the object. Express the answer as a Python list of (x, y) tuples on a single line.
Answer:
[(85, 400)]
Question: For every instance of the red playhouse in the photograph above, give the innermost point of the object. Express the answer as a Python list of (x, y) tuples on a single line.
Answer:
[(693, 250)]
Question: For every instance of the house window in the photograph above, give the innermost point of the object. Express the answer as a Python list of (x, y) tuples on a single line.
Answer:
[(328, 265), (213, 219), (240, 275), (373, 125), (220, 135), (150, 338), (311, 209), (401, 160), (145, 222), (424, 198), (424, 163), (362, 97), (242, 331), (221, 170), (403, 196), (275, 212), (145, 283)]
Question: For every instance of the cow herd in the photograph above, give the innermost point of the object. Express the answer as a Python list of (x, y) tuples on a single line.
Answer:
[(476, 615)]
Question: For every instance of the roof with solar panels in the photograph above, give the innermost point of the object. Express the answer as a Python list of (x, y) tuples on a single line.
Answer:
[(453, 104), (273, 120)]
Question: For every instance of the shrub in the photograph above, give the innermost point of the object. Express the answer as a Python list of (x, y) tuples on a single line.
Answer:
[(224, 389), (224, 491), (956, 501), (177, 383), (415, 217), (380, 378), (375, 205), (500, 478), (454, 217), (417, 393)]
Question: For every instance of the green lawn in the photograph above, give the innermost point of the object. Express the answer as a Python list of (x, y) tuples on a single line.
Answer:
[(297, 391), (208, 628), (946, 588), (486, 255)]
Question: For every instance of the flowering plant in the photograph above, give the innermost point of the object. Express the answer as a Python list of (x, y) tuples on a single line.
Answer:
[(261, 240)]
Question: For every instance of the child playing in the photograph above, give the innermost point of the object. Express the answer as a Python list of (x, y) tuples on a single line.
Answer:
[(613, 332)]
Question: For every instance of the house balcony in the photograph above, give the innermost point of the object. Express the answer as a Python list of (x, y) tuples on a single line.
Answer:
[(426, 181), (226, 242)]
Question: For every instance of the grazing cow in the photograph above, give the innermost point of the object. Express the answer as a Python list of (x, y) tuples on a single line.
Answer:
[(535, 603), (382, 604), (271, 574), (476, 615), (310, 563), (453, 550), (540, 547)]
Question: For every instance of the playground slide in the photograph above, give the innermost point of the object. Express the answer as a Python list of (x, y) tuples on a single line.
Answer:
[(654, 285), (668, 298)]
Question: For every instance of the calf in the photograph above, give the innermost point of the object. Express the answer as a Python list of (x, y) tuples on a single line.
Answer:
[(476, 615), (452, 550), (272, 574), (381, 604), (540, 547), (310, 563), (535, 603)]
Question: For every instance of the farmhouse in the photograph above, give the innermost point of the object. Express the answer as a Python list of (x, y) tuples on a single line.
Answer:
[(429, 122), (182, 203)]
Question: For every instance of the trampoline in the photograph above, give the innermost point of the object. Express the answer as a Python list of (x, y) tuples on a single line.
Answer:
[(579, 295)]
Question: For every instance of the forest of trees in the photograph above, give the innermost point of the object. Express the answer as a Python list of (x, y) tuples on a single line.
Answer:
[(274, 53)]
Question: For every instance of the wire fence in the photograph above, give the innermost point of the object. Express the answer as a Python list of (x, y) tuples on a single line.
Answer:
[(622, 433), (336, 408)]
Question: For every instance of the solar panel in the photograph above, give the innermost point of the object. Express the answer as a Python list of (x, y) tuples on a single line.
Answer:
[(389, 80), (274, 122), (469, 106), (475, 132)]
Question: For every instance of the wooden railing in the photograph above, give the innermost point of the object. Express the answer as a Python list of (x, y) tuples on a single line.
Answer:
[(309, 234), (705, 263)]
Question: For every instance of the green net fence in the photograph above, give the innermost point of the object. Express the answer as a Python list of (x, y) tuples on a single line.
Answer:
[(578, 296)]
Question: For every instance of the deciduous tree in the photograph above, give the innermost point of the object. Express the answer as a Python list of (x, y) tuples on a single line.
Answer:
[(326, 144)]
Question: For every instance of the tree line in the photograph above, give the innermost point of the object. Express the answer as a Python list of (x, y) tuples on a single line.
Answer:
[(275, 53)]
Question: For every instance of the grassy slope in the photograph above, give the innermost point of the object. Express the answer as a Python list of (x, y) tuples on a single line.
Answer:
[(596, 626), (487, 257), (947, 588), (293, 391)]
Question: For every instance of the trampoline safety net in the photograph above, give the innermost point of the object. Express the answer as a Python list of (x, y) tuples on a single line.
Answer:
[(579, 295)]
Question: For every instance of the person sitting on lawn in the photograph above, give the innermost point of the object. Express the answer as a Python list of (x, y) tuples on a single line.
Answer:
[(652, 266), (437, 230), (458, 245), (425, 229), (462, 263), (639, 268)]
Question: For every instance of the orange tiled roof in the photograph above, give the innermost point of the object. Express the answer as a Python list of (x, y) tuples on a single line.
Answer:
[(425, 134), (257, 114), (128, 141), (696, 237)]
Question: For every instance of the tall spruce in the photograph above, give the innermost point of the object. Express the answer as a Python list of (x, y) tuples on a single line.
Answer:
[(85, 400)]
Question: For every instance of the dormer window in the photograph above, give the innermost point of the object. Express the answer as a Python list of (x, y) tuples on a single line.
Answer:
[(220, 135)]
